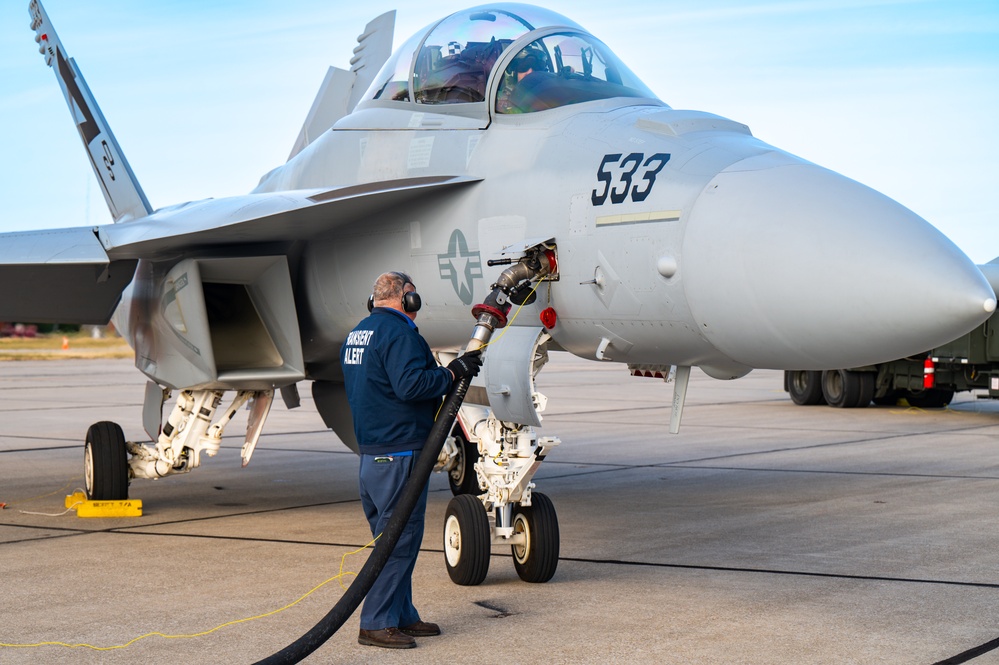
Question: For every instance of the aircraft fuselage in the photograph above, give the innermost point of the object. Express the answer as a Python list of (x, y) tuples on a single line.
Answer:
[(636, 196)]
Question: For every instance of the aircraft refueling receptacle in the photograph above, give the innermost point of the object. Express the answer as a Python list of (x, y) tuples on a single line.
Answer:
[(666, 239)]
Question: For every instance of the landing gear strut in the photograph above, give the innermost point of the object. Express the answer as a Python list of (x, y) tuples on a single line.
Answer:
[(495, 450), (508, 457), (110, 462)]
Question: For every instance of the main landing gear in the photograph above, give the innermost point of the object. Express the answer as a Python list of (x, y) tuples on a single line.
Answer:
[(105, 462), (110, 462)]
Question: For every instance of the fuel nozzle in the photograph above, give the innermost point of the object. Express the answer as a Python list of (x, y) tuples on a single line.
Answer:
[(513, 287)]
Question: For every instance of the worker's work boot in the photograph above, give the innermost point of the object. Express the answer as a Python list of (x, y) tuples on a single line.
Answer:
[(389, 638), (422, 629)]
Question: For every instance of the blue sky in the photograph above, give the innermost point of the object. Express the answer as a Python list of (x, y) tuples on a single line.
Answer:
[(205, 97)]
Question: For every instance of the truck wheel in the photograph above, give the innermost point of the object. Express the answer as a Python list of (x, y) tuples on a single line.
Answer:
[(931, 398), (844, 389), (890, 398), (805, 387), (868, 383)]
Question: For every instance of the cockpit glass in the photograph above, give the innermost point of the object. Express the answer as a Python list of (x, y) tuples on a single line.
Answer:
[(392, 82), (562, 69), (456, 58), (450, 63)]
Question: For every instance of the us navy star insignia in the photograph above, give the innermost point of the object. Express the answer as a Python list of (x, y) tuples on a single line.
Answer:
[(460, 265)]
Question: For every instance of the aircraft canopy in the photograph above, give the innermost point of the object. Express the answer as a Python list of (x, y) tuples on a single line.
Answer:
[(450, 62)]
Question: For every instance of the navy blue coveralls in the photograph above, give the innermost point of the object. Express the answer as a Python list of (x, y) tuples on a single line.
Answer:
[(394, 387)]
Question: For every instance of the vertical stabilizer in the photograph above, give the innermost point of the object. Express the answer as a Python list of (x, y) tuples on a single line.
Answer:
[(122, 192), (341, 89)]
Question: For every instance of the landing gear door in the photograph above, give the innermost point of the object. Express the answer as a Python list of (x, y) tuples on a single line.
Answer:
[(511, 363)]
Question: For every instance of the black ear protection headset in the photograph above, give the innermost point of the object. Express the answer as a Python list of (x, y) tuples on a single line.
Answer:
[(411, 302)]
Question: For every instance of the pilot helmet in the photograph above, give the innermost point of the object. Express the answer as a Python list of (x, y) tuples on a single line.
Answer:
[(531, 57)]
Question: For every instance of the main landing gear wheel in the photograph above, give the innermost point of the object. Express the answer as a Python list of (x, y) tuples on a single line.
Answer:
[(462, 478), (466, 540), (105, 462), (537, 559)]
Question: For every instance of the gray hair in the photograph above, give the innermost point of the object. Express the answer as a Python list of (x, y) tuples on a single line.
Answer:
[(390, 285)]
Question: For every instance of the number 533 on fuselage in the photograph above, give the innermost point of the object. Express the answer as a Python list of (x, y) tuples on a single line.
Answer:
[(679, 238)]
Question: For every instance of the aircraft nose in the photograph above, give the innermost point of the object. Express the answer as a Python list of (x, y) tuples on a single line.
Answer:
[(787, 265)]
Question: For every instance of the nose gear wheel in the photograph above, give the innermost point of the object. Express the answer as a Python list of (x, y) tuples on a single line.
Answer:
[(466, 540), (536, 559)]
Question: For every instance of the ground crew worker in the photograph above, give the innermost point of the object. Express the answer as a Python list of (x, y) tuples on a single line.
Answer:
[(394, 387)]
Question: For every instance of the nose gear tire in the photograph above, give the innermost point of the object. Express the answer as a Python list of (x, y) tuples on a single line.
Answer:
[(466, 540), (537, 559)]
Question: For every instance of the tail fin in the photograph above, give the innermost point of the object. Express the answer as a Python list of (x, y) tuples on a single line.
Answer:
[(341, 89), (122, 192)]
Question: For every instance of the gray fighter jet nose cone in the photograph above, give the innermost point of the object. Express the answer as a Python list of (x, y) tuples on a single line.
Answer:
[(822, 268)]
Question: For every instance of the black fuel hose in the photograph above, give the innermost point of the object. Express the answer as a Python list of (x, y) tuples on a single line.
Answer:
[(359, 588)]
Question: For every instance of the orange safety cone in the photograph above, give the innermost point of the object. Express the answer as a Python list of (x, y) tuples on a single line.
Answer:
[(65, 343)]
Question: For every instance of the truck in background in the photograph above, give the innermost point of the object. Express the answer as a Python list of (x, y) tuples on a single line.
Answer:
[(929, 381)]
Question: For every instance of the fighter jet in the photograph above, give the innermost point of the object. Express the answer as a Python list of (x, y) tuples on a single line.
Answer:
[(503, 142)]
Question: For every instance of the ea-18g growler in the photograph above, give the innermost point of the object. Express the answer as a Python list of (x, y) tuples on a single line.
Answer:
[(503, 142)]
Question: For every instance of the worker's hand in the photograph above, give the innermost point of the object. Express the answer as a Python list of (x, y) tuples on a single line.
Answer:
[(466, 366)]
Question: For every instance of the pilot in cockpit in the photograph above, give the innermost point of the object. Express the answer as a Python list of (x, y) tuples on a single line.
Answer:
[(531, 60)]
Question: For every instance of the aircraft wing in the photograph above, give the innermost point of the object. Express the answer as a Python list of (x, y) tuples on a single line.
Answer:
[(59, 276), (263, 218), (77, 275)]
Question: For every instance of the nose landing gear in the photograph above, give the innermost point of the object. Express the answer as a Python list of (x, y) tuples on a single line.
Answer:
[(508, 457), (495, 451)]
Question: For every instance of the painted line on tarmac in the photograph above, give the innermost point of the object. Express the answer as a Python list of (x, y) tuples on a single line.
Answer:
[(131, 531), (668, 465), (245, 539), (657, 407), (234, 437), (883, 474), (814, 446), (206, 518), (38, 450), (76, 407), (61, 532), (775, 571)]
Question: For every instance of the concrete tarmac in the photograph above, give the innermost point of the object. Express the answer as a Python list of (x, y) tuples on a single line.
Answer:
[(763, 533)]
